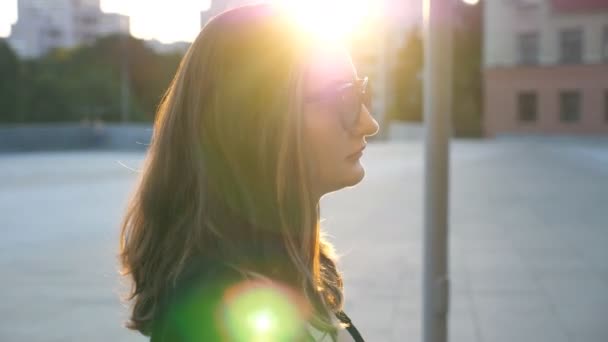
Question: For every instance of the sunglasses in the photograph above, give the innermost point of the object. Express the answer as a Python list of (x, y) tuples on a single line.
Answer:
[(346, 100)]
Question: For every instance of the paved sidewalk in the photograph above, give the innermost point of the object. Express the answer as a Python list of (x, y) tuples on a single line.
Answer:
[(529, 237), (529, 241)]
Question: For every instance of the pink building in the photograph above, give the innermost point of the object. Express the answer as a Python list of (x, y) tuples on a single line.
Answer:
[(546, 67)]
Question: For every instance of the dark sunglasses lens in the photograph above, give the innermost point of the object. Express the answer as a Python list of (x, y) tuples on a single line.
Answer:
[(351, 106), (367, 100)]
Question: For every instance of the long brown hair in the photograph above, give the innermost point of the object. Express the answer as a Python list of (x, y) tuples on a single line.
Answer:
[(226, 175)]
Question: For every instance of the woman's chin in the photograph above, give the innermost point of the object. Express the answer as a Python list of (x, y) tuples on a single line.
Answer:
[(350, 176), (356, 173)]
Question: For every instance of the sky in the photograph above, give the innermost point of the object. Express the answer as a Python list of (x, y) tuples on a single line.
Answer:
[(164, 20), (179, 20)]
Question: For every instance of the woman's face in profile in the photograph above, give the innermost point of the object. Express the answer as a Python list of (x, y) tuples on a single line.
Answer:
[(334, 146)]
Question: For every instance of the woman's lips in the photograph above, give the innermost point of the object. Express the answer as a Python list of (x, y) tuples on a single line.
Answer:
[(357, 154)]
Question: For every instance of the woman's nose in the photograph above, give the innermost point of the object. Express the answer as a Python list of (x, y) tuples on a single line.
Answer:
[(367, 126)]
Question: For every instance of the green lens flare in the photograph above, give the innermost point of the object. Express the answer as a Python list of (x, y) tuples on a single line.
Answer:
[(261, 314), (263, 321)]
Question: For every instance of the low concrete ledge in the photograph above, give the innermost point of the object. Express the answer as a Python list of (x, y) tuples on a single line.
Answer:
[(405, 131), (74, 136)]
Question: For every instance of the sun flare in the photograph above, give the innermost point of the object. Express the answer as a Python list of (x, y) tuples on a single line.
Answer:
[(180, 19), (331, 19)]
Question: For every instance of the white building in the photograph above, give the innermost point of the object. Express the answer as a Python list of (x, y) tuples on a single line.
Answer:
[(43, 25)]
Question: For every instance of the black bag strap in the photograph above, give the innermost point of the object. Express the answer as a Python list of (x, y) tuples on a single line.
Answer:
[(352, 330)]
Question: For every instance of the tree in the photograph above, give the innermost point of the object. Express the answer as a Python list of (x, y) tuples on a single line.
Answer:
[(467, 79), (407, 102), (44, 97), (406, 83), (84, 83), (9, 69), (149, 73)]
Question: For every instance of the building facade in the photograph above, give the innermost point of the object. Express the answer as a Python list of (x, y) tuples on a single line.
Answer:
[(545, 67), (43, 25)]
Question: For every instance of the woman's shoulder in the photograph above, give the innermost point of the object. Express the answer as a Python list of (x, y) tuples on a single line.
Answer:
[(206, 273), (216, 301), (211, 299), (190, 310)]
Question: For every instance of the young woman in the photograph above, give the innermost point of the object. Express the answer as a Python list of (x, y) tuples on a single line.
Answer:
[(222, 239)]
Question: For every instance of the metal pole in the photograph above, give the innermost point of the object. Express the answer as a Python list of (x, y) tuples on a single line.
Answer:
[(381, 86), (124, 79), (21, 88), (437, 107)]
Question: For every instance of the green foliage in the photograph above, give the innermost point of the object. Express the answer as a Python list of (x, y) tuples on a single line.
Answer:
[(467, 81), (9, 66), (84, 83), (406, 83)]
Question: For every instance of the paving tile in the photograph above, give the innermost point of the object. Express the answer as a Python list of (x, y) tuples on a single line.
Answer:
[(462, 327), (503, 281), (531, 327), (575, 288), (510, 304)]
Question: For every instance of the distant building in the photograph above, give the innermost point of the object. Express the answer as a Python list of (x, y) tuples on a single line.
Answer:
[(546, 67), (43, 25)]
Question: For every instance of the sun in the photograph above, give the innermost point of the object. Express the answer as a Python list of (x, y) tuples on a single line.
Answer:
[(331, 19), (172, 20)]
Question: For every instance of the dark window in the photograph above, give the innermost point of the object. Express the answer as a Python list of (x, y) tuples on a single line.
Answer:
[(571, 45), (54, 33), (569, 106), (89, 20), (606, 105), (605, 44), (527, 105), (528, 48)]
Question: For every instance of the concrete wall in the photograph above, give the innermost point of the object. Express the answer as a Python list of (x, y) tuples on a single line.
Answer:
[(50, 137), (405, 131), (54, 137)]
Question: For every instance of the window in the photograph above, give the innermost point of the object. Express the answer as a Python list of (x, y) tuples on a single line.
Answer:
[(53, 33), (606, 106), (571, 44), (88, 20), (526, 4), (569, 106), (605, 44), (528, 48), (527, 105)]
